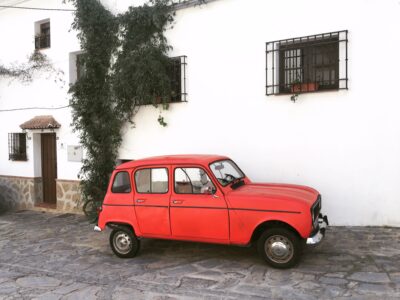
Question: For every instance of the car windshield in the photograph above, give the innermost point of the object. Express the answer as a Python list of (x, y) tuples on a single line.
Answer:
[(226, 171)]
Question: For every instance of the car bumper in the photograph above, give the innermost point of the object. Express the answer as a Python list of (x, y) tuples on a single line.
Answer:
[(318, 236), (97, 228)]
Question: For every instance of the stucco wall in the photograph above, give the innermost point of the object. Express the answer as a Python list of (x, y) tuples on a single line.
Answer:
[(344, 143)]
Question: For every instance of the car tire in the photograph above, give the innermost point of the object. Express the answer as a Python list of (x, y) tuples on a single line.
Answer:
[(124, 242), (280, 247)]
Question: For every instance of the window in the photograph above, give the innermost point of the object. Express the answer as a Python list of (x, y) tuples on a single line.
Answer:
[(42, 37), (177, 70), (307, 64), (121, 183), (80, 66), (226, 171), (152, 181), (193, 181), (17, 146)]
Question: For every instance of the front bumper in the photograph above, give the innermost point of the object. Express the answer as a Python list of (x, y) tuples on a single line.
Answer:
[(317, 236), (97, 228)]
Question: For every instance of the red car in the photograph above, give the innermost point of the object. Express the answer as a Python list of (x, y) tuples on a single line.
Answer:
[(207, 198)]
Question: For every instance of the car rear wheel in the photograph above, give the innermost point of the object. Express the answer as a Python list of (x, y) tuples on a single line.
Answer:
[(280, 247), (124, 242)]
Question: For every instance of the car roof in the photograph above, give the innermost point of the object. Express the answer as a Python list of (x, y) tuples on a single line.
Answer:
[(202, 159)]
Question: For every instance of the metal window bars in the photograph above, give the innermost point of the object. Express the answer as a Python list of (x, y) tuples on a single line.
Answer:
[(42, 41), (307, 64), (177, 74), (17, 146)]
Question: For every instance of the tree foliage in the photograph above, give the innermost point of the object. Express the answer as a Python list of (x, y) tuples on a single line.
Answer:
[(126, 62)]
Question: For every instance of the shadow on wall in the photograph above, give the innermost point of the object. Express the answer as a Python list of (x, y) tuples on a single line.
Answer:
[(4, 206)]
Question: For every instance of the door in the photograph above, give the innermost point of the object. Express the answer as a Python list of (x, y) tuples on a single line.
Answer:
[(152, 200), (49, 167), (197, 209)]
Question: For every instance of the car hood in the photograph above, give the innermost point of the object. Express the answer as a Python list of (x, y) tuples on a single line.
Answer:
[(267, 195)]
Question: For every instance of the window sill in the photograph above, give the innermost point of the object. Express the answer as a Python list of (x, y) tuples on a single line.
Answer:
[(308, 92)]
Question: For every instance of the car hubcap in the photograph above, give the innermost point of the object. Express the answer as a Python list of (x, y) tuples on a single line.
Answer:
[(279, 249), (122, 242)]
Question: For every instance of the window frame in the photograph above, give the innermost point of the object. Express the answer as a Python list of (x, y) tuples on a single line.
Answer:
[(130, 183), (336, 46), (222, 160), (145, 168), (183, 92), (42, 39), (14, 143), (193, 167)]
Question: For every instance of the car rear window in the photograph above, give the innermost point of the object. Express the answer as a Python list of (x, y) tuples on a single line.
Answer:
[(122, 183)]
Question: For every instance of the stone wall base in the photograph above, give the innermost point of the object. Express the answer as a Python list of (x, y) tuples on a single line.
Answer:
[(18, 193)]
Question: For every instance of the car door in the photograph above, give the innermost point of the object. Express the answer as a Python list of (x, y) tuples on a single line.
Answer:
[(152, 194), (197, 209)]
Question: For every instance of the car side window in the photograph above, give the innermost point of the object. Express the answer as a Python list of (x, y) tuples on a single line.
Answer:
[(152, 181), (192, 181), (122, 183)]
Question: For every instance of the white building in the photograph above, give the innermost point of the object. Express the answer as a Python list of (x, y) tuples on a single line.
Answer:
[(343, 139)]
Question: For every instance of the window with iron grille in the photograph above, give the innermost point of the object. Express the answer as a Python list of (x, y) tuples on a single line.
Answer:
[(177, 75), (307, 64), (176, 70), (17, 146), (80, 66), (42, 38)]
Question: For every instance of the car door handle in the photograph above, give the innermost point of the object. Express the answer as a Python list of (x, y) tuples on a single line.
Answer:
[(140, 201), (177, 201)]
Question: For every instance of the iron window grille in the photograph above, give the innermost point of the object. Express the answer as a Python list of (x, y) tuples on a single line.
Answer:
[(177, 75), (42, 40), (80, 66), (307, 64), (176, 71), (17, 146)]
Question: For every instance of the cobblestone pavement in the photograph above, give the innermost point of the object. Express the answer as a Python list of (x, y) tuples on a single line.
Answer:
[(49, 256)]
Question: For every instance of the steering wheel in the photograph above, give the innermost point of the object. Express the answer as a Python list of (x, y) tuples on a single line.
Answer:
[(229, 177)]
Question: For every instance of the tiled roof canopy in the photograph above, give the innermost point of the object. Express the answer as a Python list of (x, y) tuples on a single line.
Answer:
[(41, 122)]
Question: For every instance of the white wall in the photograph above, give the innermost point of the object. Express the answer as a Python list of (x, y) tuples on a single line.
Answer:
[(344, 143), (17, 28)]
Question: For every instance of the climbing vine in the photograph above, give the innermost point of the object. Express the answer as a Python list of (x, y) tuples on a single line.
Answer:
[(37, 63), (126, 65)]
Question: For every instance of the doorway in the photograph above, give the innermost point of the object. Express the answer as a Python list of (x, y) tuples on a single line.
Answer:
[(49, 168)]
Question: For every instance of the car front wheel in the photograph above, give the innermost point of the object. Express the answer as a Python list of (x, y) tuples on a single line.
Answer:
[(280, 247), (124, 242)]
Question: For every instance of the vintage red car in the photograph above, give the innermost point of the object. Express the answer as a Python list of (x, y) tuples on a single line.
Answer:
[(207, 198)]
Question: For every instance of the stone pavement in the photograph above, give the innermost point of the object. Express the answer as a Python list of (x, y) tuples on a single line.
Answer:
[(50, 256)]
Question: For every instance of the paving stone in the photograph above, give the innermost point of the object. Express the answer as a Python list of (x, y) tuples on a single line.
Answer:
[(37, 261), (370, 277), (333, 280), (181, 270), (38, 282), (336, 274), (48, 296), (87, 293), (121, 293), (373, 288), (191, 282), (69, 288), (395, 277)]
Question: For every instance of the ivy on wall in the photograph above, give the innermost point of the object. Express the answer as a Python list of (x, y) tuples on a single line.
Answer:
[(37, 63), (126, 62)]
